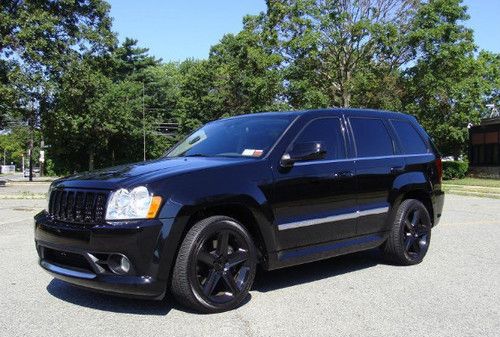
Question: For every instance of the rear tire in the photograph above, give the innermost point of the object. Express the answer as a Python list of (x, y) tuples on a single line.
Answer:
[(410, 235), (215, 266)]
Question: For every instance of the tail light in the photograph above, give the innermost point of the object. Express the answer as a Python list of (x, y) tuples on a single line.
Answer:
[(439, 168)]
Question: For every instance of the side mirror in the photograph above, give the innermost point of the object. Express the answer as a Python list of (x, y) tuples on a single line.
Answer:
[(303, 152)]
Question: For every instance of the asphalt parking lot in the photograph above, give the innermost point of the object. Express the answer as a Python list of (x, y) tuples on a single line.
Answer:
[(454, 292)]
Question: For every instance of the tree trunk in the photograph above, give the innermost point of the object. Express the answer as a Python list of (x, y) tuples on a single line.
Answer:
[(91, 159), (346, 88), (346, 98)]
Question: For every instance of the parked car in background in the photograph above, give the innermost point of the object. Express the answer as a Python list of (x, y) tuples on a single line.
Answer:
[(275, 189), (36, 172)]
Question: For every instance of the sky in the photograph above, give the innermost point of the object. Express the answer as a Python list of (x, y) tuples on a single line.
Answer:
[(174, 30)]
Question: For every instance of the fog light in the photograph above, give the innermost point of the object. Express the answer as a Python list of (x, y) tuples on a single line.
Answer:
[(119, 264)]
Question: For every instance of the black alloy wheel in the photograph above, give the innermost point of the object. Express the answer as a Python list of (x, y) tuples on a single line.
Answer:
[(410, 235), (416, 234), (215, 267), (222, 266)]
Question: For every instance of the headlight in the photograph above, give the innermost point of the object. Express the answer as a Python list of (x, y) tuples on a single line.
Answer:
[(138, 203)]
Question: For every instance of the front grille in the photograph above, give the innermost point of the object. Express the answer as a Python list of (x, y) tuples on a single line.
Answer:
[(78, 206)]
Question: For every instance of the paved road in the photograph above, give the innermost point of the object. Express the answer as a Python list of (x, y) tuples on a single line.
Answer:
[(23, 189), (454, 292), (19, 177)]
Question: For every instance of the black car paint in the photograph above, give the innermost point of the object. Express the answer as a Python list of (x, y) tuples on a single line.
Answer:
[(258, 190)]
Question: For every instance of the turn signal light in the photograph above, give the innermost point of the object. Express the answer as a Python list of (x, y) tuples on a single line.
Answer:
[(154, 207)]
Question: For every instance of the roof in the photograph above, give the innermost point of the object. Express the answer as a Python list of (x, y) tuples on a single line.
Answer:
[(490, 121), (348, 111)]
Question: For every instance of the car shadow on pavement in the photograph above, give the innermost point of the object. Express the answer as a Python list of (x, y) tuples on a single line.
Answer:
[(314, 271), (89, 299), (265, 281)]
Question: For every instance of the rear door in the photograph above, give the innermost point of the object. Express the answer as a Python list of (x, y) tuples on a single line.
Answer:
[(377, 166), (315, 201)]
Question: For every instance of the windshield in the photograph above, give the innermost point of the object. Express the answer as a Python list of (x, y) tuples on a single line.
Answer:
[(250, 136)]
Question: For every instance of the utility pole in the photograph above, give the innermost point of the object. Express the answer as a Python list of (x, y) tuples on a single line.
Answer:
[(31, 153), (42, 157), (31, 124), (143, 124)]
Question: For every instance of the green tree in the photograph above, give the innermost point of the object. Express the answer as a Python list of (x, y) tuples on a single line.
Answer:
[(130, 60), (490, 70), (14, 143), (38, 40), (46, 34), (90, 112), (326, 44), (98, 112), (247, 75), (445, 87)]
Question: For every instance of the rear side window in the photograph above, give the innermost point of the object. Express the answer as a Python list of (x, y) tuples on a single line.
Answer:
[(410, 139), (329, 132), (372, 138)]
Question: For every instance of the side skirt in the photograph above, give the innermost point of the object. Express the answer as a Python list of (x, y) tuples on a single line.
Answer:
[(290, 257)]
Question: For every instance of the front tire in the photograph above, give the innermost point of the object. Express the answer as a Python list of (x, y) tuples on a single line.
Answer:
[(215, 266), (410, 235)]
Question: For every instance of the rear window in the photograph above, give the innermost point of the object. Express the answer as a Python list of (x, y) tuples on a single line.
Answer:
[(372, 138), (410, 139)]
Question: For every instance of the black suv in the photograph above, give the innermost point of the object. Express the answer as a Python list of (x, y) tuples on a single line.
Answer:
[(275, 189)]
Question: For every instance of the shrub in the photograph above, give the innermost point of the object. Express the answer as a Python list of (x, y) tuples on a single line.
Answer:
[(455, 169), (49, 168)]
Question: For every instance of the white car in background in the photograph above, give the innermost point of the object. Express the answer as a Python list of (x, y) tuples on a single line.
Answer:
[(36, 172)]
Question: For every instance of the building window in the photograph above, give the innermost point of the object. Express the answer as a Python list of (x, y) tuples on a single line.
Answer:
[(485, 147)]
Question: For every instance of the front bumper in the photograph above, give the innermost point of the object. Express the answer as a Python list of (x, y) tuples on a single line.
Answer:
[(77, 254)]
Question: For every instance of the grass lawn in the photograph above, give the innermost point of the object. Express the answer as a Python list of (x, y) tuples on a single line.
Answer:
[(489, 188), (474, 182)]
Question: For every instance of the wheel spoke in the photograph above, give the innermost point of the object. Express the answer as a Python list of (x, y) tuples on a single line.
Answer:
[(229, 280), (409, 242), (422, 241), (222, 243), (422, 231), (408, 225), (211, 282), (237, 257), (416, 218), (241, 276), (416, 245), (207, 258)]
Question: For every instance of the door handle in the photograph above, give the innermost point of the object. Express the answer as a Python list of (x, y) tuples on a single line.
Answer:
[(397, 169), (343, 174)]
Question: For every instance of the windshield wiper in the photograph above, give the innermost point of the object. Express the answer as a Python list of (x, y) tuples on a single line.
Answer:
[(195, 155)]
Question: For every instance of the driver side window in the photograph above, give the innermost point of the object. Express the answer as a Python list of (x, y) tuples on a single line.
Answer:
[(328, 131)]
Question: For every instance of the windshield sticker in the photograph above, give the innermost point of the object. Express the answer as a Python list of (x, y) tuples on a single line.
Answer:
[(252, 153)]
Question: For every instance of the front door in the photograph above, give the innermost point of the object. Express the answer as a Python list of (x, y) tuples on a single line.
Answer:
[(315, 201)]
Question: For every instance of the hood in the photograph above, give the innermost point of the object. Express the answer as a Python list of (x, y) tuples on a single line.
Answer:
[(130, 174)]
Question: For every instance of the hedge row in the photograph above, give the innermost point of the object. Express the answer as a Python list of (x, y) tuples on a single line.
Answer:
[(455, 169)]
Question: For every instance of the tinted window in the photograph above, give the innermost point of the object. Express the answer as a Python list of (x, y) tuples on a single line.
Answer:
[(410, 139), (327, 131), (372, 138)]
